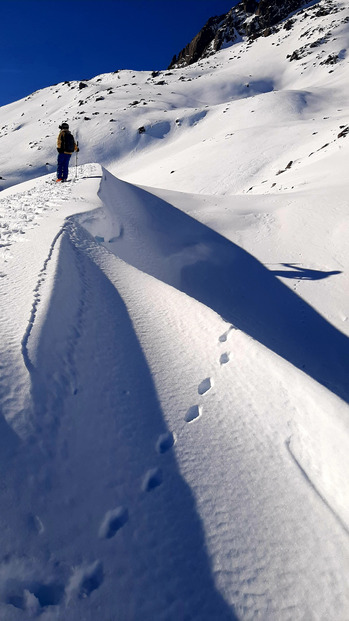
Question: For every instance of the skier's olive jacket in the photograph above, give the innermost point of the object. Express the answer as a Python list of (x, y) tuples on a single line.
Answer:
[(61, 142)]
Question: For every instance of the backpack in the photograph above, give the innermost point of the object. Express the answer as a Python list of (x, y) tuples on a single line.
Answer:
[(68, 142)]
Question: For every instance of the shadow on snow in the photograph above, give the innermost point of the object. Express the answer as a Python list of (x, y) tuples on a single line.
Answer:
[(303, 273), (97, 421), (159, 239)]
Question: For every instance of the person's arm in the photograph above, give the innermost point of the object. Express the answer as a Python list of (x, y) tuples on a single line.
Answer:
[(59, 143)]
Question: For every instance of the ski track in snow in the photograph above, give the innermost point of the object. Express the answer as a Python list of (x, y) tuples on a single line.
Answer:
[(50, 387), (163, 455), (36, 302), (56, 382)]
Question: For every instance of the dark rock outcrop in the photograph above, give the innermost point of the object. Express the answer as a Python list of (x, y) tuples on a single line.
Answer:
[(271, 12), (200, 44), (248, 18)]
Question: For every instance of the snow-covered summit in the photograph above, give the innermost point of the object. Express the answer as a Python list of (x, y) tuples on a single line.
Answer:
[(174, 339)]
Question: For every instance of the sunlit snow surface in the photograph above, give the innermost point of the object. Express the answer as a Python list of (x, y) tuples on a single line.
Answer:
[(174, 341)]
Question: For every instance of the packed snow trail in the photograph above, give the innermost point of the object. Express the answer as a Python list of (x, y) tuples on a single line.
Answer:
[(85, 366), (156, 453), (174, 422)]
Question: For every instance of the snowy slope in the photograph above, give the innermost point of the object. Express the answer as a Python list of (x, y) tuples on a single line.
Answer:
[(174, 340)]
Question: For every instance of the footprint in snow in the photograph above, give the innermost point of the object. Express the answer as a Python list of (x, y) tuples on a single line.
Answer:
[(193, 413), (85, 580), (112, 522), (35, 524), (165, 442), (152, 479), (224, 358), (205, 386), (224, 337)]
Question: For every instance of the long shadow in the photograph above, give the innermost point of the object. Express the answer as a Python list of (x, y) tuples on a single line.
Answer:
[(172, 246), (100, 397), (303, 273)]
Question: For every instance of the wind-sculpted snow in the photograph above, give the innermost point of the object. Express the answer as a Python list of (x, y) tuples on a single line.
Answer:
[(177, 249), (89, 381), (174, 433), (163, 250), (166, 463)]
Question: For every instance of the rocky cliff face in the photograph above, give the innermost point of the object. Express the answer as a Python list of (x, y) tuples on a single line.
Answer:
[(271, 12), (249, 18)]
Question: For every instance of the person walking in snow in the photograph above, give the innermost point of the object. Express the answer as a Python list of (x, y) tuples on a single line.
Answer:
[(66, 145)]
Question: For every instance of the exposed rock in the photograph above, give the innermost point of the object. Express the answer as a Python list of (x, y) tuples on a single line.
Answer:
[(344, 132), (288, 25), (248, 18), (199, 45), (332, 59), (271, 12), (294, 55)]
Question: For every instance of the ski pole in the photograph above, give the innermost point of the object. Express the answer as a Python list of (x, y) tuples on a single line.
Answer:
[(76, 160)]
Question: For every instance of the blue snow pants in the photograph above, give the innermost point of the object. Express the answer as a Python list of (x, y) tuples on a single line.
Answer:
[(62, 165)]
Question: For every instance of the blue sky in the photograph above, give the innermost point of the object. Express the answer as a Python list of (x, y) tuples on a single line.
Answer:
[(44, 42)]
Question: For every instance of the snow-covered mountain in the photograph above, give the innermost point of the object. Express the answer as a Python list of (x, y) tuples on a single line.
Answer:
[(174, 337), (248, 18)]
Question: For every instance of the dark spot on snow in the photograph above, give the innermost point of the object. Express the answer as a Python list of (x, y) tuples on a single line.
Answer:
[(165, 442), (344, 132), (46, 594), (91, 580), (112, 522), (193, 413), (152, 479)]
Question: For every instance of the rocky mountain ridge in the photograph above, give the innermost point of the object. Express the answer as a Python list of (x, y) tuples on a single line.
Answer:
[(124, 116), (249, 19)]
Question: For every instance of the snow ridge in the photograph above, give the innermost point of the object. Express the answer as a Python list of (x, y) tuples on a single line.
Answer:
[(174, 437), (310, 482)]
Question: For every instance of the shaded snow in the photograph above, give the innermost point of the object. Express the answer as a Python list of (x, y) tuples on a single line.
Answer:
[(174, 342)]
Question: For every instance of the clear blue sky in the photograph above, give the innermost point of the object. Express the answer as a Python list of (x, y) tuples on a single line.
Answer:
[(44, 42)]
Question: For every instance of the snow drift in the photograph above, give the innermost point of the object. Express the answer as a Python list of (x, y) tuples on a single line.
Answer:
[(174, 340)]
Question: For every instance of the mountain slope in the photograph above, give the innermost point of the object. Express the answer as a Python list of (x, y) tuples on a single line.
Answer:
[(248, 18), (226, 101), (159, 415), (174, 340)]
